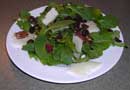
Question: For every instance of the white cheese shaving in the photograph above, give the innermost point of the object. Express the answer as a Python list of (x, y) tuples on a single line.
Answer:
[(84, 68), (92, 26), (50, 16), (39, 10), (78, 45)]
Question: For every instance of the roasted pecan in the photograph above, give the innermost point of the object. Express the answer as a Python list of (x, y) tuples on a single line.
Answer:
[(21, 34)]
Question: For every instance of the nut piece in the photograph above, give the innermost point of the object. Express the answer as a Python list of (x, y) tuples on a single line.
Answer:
[(21, 34)]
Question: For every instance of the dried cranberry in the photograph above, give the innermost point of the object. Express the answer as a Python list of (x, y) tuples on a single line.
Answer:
[(76, 30), (21, 34), (84, 26), (59, 36), (84, 21), (68, 18), (49, 48), (77, 25), (79, 34), (30, 41), (78, 18), (32, 20), (85, 32), (86, 38), (34, 28), (109, 30), (37, 27)]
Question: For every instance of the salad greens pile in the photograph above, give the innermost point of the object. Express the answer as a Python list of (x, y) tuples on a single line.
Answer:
[(53, 44)]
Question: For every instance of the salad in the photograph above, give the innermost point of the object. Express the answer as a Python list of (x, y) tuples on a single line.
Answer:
[(67, 33)]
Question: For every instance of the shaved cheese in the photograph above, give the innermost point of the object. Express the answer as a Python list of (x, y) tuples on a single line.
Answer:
[(18, 43), (50, 17), (39, 10), (92, 26), (84, 68), (78, 45)]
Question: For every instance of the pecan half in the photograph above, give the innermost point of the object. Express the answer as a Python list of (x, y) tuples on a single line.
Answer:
[(21, 34)]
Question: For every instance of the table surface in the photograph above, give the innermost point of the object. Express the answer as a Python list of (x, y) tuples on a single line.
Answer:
[(11, 78)]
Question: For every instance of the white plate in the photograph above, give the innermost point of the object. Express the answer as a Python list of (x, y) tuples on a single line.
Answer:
[(57, 74)]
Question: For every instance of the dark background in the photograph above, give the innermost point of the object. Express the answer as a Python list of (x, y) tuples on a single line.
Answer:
[(12, 78)]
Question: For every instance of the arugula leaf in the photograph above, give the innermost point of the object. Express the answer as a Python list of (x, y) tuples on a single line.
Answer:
[(29, 47), (24, 14), (67, 12), (45, 58), (116, 34), (120, 44), (101, 41), (108, 21), (40, 49), (87, 13), (91, 13), (63, 53), (24, 24), (66, 56), (106, 38), (92, 52), (102, 37), (67, 38), (60, 24), (33, 55), (59, 7)]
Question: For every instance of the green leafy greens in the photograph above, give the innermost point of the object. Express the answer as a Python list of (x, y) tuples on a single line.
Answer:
[(54, 43)]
